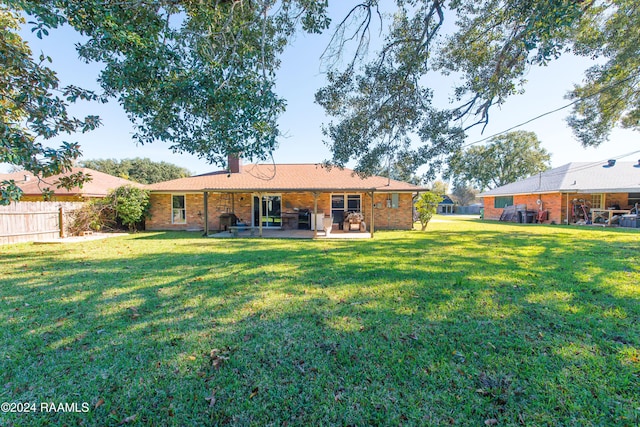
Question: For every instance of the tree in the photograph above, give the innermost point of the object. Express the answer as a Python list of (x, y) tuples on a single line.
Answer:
[(426, 207), (402, 167), (33, 106), (144, 171), (440, 188), (199, 75), (611, 94), (465, 194), (507, 158), (493, 45)]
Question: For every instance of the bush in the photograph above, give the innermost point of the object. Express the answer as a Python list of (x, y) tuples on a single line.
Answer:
[(95, 215), (125, 206), (426, 206), (130, 204)]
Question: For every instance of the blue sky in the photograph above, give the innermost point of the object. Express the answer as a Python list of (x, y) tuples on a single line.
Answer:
[(302, 142)]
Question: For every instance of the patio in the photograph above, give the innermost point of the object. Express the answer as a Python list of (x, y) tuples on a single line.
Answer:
[(290, 234)]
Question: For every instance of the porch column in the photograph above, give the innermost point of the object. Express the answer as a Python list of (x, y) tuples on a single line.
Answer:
[(260, 214), (315, 214), (206, 213), (371, 227)]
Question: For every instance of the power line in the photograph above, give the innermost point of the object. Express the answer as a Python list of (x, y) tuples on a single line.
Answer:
[(549, 112)]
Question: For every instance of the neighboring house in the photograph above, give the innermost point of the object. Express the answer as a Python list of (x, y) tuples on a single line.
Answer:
[(446, 206), (98, 187), (285, 196), (601, 186)]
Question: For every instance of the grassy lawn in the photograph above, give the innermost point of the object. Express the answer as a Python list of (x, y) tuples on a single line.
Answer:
[(470, 323)]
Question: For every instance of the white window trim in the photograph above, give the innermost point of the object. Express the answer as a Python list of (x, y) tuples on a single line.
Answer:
[(173, 210)]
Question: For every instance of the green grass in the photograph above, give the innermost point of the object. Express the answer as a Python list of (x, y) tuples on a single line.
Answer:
[(468, 323)]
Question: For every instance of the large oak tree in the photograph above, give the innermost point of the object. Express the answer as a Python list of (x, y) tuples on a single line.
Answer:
[(507, 158), (200, 74)]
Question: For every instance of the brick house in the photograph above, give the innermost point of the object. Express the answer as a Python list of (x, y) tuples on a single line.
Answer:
[(285, 196), (603, 187), (99, 186)]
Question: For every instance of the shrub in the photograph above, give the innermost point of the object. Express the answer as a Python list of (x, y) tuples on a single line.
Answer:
[(95, 215), (130, 204), (426, 206)]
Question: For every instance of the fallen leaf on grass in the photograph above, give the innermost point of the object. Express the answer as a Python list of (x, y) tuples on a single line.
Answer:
[(254, 393), (212, 398), (490, 422), (129, 419), (216, 359), (99, 403)]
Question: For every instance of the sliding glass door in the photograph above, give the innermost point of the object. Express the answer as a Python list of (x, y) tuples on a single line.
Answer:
[(271, 211)]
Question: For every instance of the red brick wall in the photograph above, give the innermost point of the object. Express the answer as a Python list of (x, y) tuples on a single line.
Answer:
[(161, 213), (388, 218), (554, 203), (241, 205)]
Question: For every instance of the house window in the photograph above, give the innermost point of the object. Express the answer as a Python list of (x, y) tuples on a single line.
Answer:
[(353, 203), (633, 199), (395, 201), (596, 201), (342, 203), (178, 209), (502, 201)]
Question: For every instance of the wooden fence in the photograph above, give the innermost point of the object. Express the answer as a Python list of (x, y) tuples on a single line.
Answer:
[(34, 221)]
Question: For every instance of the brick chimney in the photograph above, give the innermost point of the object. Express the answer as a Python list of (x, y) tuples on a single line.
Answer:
[(234, 164)]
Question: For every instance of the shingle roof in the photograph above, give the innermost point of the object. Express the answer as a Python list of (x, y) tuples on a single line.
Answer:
[(284, 177), (578, 177), (99, 185)]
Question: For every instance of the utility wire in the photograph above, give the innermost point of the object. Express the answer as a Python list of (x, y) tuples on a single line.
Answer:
[(549, 112)]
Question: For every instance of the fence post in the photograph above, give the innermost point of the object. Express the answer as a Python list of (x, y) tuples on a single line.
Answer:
[(61, 221)]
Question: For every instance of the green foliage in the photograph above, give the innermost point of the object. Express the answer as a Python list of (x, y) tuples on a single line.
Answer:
[(379, 107), (144, 171), (130, 204), (610, 95), (33, 107), (508, 158), (375, 106), (402, 167), (426, 207), (440, 187), (200, 75), (9, 192)]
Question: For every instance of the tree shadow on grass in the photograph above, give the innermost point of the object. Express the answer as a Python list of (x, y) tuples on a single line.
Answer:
[(175, 330)]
